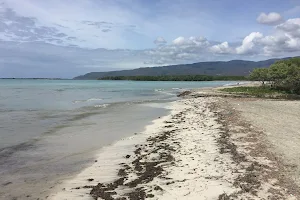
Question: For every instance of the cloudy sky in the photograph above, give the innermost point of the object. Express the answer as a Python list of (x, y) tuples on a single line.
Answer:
[(66, 38)]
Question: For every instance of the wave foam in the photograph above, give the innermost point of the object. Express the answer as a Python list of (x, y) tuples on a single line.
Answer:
[(101, 106), (94, 99), (91, 99)]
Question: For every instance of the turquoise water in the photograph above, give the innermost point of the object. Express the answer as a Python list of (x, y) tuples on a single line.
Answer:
[(30, 108), (71, 94), (51, 129)]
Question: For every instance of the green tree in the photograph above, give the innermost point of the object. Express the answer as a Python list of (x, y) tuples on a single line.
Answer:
[(278, 73), (285, 75), (260, 74)]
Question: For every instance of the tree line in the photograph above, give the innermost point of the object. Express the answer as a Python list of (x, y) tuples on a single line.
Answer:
[(282, 75), (176, 78)]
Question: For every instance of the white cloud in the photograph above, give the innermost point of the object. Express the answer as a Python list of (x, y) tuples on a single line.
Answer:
[(191, 41), (272, 18), (286, 38), (180, 50), (222, 48), (293, 43), (249, 43), (271, 40), (179, 41), (291, 26), (273, 44)]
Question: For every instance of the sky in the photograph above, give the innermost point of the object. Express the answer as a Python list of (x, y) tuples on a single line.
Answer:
[(66, 38)]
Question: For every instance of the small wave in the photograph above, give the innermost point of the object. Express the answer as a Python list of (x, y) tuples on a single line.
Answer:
[(176, 88), (78, 101), (164, 92), (6, 110), (91, 99), (158, 90), (101, 106), (94, 99)]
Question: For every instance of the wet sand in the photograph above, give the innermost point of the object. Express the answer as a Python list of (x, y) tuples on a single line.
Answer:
[(204, 149)]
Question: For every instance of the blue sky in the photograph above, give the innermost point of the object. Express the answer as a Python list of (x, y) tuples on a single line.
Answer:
[(65, 38)]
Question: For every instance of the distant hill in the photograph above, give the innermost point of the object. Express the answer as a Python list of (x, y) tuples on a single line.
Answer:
[(222, 68)]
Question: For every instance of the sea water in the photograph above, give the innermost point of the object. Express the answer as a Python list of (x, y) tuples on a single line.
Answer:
[(52, 129)]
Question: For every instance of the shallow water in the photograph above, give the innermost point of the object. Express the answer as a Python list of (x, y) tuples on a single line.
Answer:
[(51, 129)]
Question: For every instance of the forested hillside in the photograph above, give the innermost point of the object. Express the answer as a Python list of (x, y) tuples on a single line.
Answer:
[(219, 68)]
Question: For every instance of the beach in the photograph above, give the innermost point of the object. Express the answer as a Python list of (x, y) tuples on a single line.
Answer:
[(279, 120), (52, 130), (207, 147)]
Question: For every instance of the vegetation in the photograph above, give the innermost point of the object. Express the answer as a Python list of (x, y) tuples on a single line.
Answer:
[(259, 74), (281, 79), (176, 78), (261, 91), (283, 75)]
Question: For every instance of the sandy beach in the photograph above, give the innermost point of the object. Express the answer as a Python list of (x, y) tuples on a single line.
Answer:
[(206, 148)]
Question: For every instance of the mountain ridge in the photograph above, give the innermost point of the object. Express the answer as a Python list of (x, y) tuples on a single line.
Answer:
[(213, 68)]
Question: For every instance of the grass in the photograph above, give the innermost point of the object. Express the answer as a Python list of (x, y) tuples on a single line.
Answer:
[(261, 91)]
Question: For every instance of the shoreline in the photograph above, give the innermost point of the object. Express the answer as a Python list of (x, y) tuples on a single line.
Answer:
[(37, 179), (107, 164), (202, 150), (67, 136)]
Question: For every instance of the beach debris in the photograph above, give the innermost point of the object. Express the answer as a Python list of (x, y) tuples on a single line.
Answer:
[(185, 93), (7, 183), (224, 196), (146, 171)]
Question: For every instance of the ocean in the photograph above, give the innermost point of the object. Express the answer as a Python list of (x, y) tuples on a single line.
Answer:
[(51, 129)]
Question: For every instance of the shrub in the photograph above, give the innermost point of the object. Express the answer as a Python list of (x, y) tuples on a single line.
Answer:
[(283, 75)]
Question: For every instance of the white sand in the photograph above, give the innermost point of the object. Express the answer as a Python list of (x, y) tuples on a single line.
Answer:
[(199, 171)]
